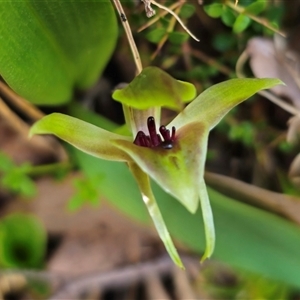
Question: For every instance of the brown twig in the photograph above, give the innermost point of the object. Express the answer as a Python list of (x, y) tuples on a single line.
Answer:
[(161, 14), (176, 17), (15, 121), (119, 278), (130, 38), (210, 61), (281, 204), (23, 105), (165, 37)]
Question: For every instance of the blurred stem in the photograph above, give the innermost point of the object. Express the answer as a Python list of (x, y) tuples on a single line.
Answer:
[(18, 124), (284, 205), (210, 61), (22, 104)]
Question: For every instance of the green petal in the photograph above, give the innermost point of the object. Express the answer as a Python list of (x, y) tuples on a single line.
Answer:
[(208, 221), (154, 87), (215, 102), (149, 199), (179, 170), (82, 135)]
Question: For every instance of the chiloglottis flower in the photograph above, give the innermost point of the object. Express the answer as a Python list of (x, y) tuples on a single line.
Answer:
[(174, 154)]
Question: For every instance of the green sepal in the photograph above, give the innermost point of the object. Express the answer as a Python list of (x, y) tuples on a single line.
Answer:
[(215, 102), (154, 211), (82, 135)]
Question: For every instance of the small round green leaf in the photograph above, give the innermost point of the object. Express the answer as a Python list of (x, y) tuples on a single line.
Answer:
[(214, 10), (178, 38), (241, 23), (187, 11), (154, 36), (22, 241), (228, 17), (256, 8)]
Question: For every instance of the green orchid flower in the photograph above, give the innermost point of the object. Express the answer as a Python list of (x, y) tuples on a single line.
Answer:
[(173, 155)]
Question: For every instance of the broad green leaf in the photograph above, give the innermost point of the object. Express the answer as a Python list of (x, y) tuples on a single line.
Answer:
[(214, 10), (256, 7), (180, 170), (241, 23), (154, 87), (82, 135), (48, 48), (215, 102), (246, 237), (22, 241), (154, 211)]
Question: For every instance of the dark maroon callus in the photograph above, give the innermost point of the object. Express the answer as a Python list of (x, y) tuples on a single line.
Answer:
[(165, 139)]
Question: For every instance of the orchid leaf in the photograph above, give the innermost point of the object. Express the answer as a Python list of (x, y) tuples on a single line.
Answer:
[(154, 211), (179, 170), (82, 135), (48, 48), (154, 87), (215, 102)]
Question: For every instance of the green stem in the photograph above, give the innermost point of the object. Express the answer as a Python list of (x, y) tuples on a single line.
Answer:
[(36, 171)]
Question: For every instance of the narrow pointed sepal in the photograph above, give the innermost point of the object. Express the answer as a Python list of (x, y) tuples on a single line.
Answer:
[(154, 211), (215, 102), (82, 135), (179, 170), (208, 221)]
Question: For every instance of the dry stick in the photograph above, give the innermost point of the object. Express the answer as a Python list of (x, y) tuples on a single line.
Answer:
[(119, 278), (128, 32), (27, 108), (276, 100), (210, 61), (165, 37), (160, 15), (129, 113), (176, 17), (18, 124), (284, 205)]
